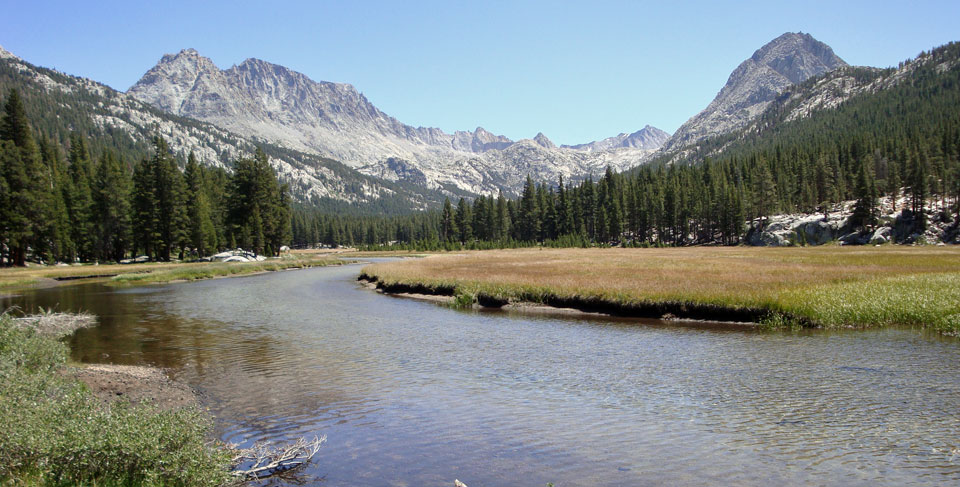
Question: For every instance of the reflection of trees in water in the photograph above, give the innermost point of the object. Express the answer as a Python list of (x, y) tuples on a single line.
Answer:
[(264, 381)]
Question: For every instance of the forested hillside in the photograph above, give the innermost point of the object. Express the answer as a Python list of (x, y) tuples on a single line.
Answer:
[(854, 133)]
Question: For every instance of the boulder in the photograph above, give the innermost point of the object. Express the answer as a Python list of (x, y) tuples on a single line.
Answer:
[(881, 236), (238, 255), (236, 258), (819, 232)]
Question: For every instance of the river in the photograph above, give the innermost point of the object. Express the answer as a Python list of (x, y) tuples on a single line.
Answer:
[(412, 393)]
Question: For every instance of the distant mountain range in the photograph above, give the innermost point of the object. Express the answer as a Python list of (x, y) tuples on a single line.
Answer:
[(274, 103), (332, 143)]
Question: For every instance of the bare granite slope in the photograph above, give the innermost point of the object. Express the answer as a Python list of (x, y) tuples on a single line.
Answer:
[(785, 61), (274, 103)]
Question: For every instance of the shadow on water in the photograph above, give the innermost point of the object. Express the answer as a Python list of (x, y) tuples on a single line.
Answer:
[(413, 393)]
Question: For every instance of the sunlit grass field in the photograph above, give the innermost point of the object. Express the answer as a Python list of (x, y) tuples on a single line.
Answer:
[(823, 286)]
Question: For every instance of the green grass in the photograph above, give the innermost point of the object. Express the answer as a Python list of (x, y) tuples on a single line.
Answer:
[(208, 270), (55, 433), (918, 300), (16, 284), (13, 279)]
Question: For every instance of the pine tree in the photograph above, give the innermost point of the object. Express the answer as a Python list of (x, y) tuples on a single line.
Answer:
[(448, 229), (464, 221), (111, 203), (58, 231), (80, 200), (201, 232), (24, 204), (503, 222), (169, 193), (766, 192), (529, 213), (918, 190), (865, 210), (893, 185), (564, 212), (146, 234)]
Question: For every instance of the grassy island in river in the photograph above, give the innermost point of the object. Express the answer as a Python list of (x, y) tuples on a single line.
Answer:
[(824, 286), (15, 279)]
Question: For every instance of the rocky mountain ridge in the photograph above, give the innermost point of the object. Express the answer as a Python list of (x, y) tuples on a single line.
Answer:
[(93, 109), (270, 102), (785, 61)]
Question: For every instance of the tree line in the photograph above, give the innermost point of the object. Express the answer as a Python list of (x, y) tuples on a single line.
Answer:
[(61, 204)]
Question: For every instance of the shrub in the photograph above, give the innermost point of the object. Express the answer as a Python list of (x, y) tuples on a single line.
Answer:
[(56, 433)]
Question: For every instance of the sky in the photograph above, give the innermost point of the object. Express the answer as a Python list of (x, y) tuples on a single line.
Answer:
[(576, 71)]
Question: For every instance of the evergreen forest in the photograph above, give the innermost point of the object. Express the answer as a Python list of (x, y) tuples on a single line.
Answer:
[(58, 203)]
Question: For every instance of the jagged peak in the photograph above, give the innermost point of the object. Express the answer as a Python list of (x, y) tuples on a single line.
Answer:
[(543, 141), (780, 54), (189, 56)]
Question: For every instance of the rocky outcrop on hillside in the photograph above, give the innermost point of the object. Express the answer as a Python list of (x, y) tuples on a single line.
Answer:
[(896, 225), (785, 61), (270, 102)]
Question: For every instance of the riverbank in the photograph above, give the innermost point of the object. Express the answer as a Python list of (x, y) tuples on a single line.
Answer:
[(102, 425), (828, 287), (13, 280)]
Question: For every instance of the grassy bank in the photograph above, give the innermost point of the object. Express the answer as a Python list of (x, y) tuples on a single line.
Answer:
[(17, 279), (822, 286), (55, 432), (208, 270)]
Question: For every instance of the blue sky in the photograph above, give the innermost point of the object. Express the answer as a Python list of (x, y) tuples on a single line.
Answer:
[(577, 71)]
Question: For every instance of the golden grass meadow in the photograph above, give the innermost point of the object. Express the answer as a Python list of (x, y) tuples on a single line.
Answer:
[(823, 286)]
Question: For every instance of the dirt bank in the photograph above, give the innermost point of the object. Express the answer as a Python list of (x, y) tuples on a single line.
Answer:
[(135, 384)]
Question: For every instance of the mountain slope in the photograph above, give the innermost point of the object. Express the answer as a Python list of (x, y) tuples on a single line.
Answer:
[(914, 99), (787, 60), (59, 104), (273, 103)]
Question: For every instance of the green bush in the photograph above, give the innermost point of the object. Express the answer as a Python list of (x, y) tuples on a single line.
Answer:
[(56, 433)]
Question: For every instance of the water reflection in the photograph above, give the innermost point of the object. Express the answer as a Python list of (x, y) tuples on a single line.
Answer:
[(410, 393)]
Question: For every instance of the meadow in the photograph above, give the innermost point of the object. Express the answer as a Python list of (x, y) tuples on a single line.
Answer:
[(828, 287)]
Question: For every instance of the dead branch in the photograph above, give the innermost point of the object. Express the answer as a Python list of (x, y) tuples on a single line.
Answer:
[(50, 323), (266, 460)]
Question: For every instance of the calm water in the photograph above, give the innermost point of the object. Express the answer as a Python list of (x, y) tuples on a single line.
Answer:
[(411, 393)]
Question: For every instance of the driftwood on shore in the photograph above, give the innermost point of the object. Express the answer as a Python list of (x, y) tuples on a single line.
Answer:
[(265, 460), (55, 324)]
